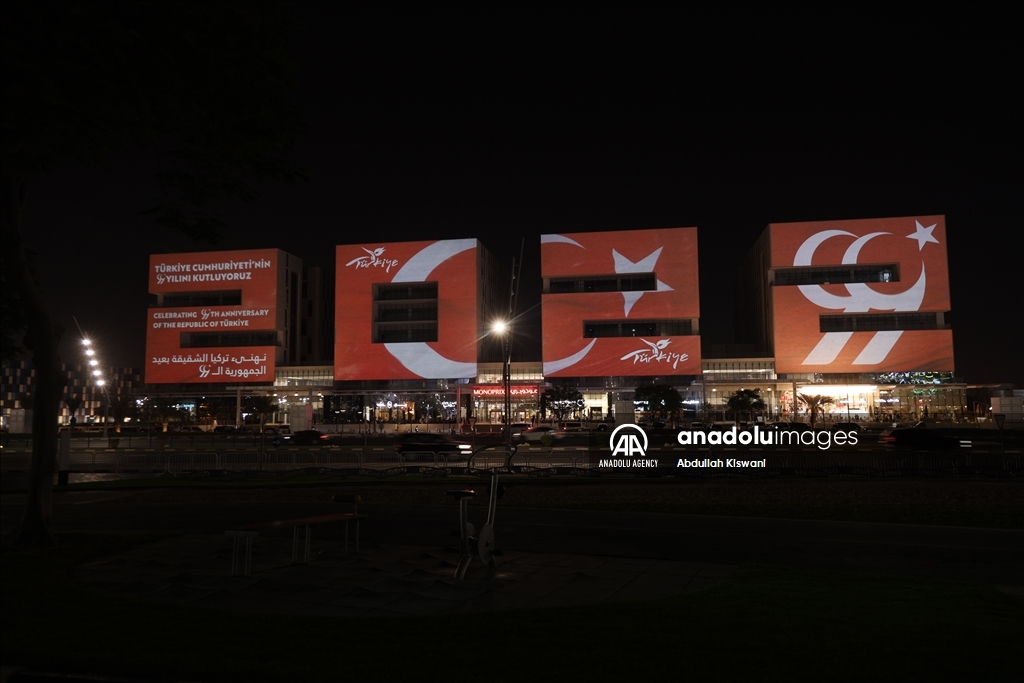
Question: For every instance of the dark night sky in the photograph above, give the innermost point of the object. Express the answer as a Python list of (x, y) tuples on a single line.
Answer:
[(503, 121)]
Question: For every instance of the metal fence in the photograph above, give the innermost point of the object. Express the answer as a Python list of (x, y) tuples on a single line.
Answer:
[(535, 462)]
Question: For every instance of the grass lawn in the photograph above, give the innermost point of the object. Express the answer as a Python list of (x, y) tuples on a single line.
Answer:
[(767, 624)]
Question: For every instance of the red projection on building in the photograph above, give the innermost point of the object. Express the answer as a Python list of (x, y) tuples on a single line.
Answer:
[(620, 303), (216, 304), (886, 314), (406, 310)]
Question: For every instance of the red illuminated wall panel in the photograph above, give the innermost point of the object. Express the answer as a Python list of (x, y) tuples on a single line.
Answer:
[(452, 264), (255, 274), (917, 245), (670, 253)]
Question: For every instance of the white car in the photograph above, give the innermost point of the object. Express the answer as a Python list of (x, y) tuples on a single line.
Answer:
[(536, 434)]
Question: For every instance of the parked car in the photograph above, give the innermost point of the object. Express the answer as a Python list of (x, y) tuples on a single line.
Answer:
[(275, 430), (430, 443), (537, 434), (916, 439), (572, 427), (308, 437), (846, 427)]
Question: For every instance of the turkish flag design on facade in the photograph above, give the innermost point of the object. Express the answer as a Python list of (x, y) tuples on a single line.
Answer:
[(569, 350), (452, 265), (915, 247)]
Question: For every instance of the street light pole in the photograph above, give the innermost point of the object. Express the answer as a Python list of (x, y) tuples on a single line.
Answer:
[(97, 374), (504, 327), (507, 383)]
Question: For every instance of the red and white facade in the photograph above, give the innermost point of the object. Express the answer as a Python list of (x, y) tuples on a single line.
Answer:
[(666, 259)]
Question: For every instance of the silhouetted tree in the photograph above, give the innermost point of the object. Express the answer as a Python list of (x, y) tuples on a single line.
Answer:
[(73, 403), (261, 406), (562, 401), (122, 407), (662, 399), (815, 404), (746, 401), (202, 86)]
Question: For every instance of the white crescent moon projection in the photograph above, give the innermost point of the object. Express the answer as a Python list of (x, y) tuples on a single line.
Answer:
[(562, 364), (861, 300), (555, 239), (418, 357), (557, 365)]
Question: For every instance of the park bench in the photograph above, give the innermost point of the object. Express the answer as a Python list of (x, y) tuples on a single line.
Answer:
[(247, 532)]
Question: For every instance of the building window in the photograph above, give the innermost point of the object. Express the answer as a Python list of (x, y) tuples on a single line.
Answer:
[(637, 328), (412, 332), (406, 291), (634, 282), (185, 299), (405, 312), (889, 272), (874, 322), (199, 340)]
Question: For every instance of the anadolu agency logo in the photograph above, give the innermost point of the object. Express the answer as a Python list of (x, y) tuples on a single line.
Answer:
[(630, 442)]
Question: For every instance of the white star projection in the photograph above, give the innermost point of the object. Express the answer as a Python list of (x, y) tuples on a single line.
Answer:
[(923, 235), (644, 265)]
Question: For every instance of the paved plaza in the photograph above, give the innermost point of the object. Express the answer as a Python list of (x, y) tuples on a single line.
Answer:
[(386, 580)]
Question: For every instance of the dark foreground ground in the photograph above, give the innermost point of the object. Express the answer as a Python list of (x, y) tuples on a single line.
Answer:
[(828, 580)]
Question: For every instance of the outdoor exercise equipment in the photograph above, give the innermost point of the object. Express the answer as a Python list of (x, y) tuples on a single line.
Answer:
[(469, 540)]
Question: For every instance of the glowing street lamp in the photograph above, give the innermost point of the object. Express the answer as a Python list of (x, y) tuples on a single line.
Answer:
[(505, 329), (97, 375)]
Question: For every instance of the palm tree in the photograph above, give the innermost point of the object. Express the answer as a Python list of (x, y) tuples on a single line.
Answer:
[(120, 408), (73, 403), (262, 406), (746, 401), (815, 404), (161, 410)]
